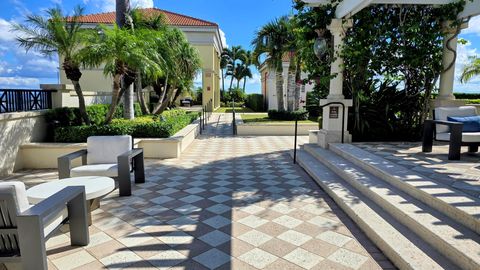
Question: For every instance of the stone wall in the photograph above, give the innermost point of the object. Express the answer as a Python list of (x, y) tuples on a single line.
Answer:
[(17, 129)]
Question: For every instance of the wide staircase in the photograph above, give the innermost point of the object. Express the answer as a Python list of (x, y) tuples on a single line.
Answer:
[(417, 222)]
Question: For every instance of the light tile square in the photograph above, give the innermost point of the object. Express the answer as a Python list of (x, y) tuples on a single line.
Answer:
[(167, 259), (258, 258), (348, 258), (323, 222), (255, 237), (294, 237), (220, 198), (120, 259), (176, 238), (135, 239), (288, 221), (252, 209), (303, 258), (334, 238), (314, 209), (191, 199), (161, 199), (253, 221), (194, 190), (73, 260)]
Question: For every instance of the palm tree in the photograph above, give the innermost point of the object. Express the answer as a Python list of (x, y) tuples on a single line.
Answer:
[(181, 62), (470, 70), (122, 9), (273, 39), (247, 72), (236, 54), (224, 61), (55, 34), (121, 52)]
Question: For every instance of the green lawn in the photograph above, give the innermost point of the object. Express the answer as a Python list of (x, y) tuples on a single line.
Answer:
[(237, 109), (263, 118)]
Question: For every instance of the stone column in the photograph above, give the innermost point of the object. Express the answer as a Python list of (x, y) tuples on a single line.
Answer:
[(445, 96), (331, 131)]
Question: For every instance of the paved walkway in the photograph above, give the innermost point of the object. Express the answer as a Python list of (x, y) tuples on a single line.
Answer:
[(227, 203)]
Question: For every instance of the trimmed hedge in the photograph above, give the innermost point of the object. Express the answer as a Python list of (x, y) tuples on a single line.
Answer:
[(467, 95), (66, 117), (288, 116), (142, 127), (255, 102)]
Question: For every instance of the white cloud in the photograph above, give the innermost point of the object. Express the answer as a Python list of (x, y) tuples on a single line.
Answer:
[(141, 3), (473, 26), (223, 38), (109, 5), (5, 31), (6, 82), (256, 79)]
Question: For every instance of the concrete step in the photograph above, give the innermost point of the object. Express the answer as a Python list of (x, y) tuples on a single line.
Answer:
[(397, 242), (449, 237), (448, 200)]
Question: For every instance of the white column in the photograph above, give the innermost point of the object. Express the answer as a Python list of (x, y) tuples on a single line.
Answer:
[(445, 95), (332, 128), (337, 28)]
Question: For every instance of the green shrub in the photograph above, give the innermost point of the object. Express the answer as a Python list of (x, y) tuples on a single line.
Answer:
[(255, 102), (288, 116), (141, 127), (236, 94), (467, 95), (472, 101), (66, 117)]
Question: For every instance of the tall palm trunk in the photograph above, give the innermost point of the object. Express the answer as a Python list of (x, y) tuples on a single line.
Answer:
[(279, 87), (122, 7), (291, 88), (231, 83), (74, 74), (81, 102), (163, 105), (298, 77), (223, 81), (244, 84), (141, 98), (238, 83), (115, 93)]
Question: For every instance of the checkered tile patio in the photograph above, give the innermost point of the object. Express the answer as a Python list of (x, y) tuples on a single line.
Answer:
[(227, 203)]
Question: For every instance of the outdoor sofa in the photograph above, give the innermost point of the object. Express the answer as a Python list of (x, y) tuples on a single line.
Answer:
[(445, 127), (110, 156)]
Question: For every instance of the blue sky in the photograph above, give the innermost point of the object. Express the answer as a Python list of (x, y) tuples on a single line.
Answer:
[(238, 19)]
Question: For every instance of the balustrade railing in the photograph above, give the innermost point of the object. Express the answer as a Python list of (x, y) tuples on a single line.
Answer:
[(21, 100)]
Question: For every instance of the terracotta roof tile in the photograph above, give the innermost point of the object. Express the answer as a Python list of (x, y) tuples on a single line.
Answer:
[(173, 19)]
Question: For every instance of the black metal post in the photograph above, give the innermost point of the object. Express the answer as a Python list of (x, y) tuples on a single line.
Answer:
[(295, 142)]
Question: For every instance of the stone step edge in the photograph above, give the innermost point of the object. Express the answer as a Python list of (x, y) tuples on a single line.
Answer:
[(442, 237), (468, 216), (388, 236)]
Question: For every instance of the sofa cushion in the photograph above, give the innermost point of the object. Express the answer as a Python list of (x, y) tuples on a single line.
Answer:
[(470, 123), (108, 170), (106, 149), (466, 136), (442, 113), (19, 194)]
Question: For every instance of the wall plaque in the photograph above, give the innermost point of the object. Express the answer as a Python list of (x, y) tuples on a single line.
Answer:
[(334, 112)]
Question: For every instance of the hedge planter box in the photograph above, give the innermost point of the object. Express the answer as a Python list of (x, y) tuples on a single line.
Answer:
[(44, 155)]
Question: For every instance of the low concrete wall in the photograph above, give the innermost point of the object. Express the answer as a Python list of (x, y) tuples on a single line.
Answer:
[(17, 129), (45, 155)]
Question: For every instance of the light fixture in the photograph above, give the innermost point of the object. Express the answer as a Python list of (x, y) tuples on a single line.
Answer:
[(320, 47)]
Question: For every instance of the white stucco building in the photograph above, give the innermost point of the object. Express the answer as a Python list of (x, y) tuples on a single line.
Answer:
[(269, 90)]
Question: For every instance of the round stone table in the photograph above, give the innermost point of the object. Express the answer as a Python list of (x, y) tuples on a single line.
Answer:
[(95, 188)]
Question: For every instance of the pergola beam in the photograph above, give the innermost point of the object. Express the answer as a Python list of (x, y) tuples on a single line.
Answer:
[(348, 8)]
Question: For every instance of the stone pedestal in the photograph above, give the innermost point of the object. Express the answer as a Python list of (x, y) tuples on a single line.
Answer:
[(331, 131)]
